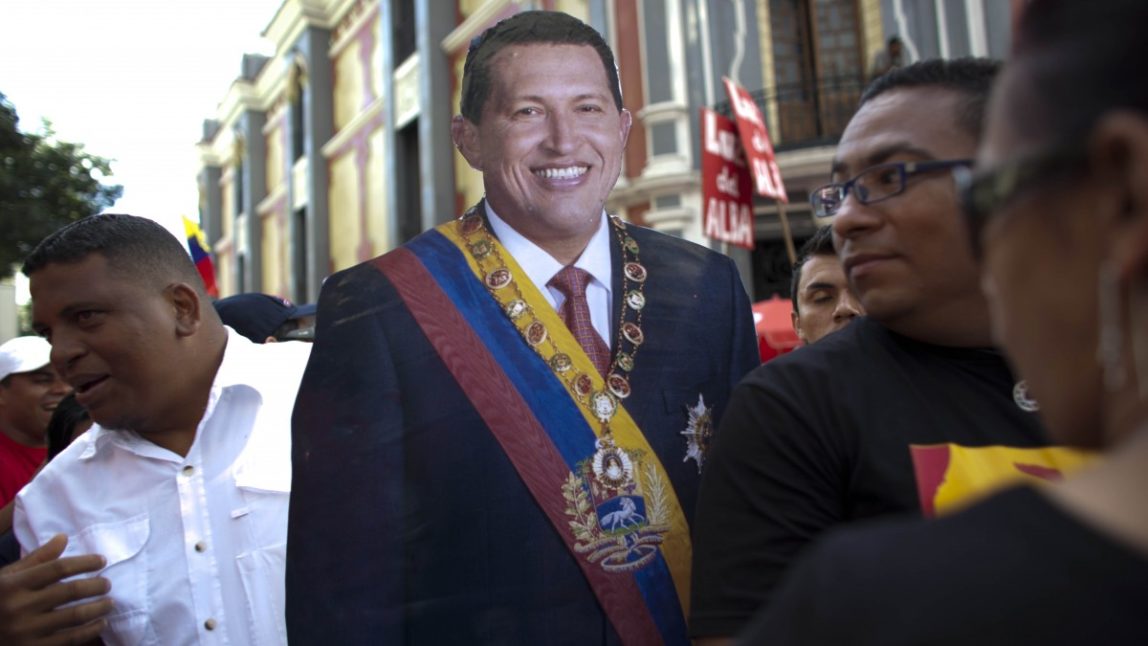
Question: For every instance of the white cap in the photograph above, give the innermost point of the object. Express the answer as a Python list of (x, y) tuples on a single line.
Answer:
[(24, 354)]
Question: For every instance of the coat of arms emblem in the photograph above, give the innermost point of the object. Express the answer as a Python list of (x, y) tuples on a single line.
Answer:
[(618, 510)]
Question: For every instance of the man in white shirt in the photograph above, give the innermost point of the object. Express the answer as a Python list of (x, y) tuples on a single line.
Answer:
[(182, 486)]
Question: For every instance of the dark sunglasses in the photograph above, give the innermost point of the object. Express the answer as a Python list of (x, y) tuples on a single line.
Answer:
[(984, 193)]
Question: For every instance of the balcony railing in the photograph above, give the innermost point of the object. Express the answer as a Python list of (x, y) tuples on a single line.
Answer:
[(801, 115)]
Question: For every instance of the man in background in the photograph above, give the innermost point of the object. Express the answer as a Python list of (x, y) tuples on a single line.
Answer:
[(890, 58), (264, 318), (30, 389), (822, 299)]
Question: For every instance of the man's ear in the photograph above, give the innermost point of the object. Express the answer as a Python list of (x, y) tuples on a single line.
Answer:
[(627, 122), (1118, 152), (793, 316), (187, 305), (464, 134)]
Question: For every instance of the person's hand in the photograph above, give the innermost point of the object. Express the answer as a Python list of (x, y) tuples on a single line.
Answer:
[(32, 591)]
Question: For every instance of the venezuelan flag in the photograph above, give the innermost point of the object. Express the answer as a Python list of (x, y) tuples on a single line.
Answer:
[(200, 254)]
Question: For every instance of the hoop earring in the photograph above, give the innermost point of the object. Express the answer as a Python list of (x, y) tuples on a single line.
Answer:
[(1138, 313), (1110, 346)]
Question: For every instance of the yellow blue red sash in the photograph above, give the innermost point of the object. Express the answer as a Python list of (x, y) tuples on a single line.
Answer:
[(547, 434)]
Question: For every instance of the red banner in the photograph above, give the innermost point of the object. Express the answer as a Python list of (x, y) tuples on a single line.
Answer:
[(726, 186), (755, 139)]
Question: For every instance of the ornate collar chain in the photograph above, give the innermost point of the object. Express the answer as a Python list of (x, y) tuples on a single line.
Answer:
[(500, 283)]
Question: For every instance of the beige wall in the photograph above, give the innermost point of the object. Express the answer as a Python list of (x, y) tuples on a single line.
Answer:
[(275, 153), (349, 87), (358, 221), (344, 210), (872, 32), (227, 200), (274, 256), (377, 225), (224, 270)]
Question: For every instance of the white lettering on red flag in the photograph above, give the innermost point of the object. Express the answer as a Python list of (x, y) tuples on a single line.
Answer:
[(755, 138), (727, 191)]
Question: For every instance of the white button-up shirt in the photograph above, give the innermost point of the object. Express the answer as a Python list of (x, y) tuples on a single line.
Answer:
[(195, 545), (540, 267)]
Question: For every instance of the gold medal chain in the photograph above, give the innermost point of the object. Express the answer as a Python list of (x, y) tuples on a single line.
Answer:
[(481, 246)]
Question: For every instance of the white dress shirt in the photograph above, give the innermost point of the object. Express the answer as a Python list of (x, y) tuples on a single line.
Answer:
[(540, 266), (195, 545)]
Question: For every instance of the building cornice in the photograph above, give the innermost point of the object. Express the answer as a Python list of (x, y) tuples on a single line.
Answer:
[(294, 16), (241, 97), (352, 16), (362, 120), (806, 163), (459, 39), (645, 188), (207, 154)]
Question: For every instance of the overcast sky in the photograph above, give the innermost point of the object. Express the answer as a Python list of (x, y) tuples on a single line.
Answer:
[(132, 80)]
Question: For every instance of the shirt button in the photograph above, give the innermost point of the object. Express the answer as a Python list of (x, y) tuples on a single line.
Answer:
[(209, 624), (188, 470), (200, 546)]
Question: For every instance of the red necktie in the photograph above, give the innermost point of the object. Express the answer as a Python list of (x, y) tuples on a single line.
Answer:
[(575, 311)]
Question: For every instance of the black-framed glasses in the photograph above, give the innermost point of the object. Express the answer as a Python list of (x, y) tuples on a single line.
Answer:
[(876, 183), (983, 193)]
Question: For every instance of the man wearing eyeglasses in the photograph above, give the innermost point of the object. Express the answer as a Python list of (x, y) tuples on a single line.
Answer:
[(908, 409)]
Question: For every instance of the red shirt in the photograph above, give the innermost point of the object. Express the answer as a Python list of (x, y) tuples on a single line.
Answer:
[(18, 463)]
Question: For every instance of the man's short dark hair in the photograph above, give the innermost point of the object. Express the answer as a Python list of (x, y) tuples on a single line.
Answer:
[(971, 77), (528, 28), (135, 246), (821, 244), (1077, 60)]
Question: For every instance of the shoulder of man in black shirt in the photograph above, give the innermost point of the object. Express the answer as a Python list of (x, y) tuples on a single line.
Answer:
[(823, 436)]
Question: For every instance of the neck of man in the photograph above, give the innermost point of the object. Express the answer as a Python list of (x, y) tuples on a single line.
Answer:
[(566, 251), (566, 245), (957, 323), (179, 436)]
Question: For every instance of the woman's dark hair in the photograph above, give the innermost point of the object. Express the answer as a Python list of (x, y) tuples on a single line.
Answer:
[(1075, 61), (62, 426)]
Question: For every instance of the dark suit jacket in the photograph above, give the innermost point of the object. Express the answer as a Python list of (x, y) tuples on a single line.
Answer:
[(408, 522)]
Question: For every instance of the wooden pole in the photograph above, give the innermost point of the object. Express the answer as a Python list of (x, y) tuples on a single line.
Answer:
[(785, 232)]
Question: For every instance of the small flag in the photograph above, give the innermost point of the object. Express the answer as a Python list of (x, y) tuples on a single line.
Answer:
[(200, 254)]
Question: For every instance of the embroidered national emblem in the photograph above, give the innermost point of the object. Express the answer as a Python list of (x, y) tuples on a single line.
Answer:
[(699, 431), (618, 511)]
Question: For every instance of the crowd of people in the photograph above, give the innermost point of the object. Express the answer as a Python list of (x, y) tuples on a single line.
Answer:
[(538, 423)]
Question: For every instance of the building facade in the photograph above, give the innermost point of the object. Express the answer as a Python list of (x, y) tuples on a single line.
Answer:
[(337, 148)]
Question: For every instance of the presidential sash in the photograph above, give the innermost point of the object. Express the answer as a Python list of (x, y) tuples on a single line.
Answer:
[(600, 483)]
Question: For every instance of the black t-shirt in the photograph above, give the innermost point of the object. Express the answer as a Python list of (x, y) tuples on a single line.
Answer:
[(823, 436), (1015, 569)]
